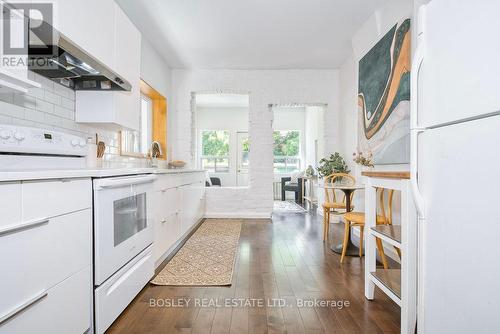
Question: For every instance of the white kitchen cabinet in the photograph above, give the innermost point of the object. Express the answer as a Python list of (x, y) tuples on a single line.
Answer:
[(65, 308), (179, 204), (47, 236), (117, 109), (127, 47), (167, 224), (186, 214), (192, 196), (89, 24), (13, 69)]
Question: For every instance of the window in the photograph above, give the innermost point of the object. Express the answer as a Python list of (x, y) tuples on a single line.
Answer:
[(286, 151), (138, 143), (215, 151), (146, 123)]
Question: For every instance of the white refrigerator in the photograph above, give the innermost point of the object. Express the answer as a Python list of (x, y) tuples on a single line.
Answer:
[(455, 136)]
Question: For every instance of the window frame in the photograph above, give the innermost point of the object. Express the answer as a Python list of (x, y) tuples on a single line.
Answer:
[(149, 125), (139, 134)]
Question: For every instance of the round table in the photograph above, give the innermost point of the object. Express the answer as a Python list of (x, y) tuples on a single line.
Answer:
[(352, 250)]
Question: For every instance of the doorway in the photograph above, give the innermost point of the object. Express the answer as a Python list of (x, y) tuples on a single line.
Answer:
[(243, 156)]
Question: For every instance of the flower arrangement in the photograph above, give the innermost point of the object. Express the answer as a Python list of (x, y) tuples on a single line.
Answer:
[(334, 164), (363, 160)]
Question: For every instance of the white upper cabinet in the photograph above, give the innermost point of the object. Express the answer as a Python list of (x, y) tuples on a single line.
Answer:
[(89, 24), (127, 47), (117, 109), (13, 69), (128, 64)]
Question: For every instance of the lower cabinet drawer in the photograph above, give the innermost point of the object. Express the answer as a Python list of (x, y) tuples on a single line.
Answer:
[(41, 255), (113, 296), (49, 198), (63, 309), (167, 232), (167, 181)]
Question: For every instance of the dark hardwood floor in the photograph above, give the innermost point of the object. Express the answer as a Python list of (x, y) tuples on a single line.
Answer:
[(280, 261)]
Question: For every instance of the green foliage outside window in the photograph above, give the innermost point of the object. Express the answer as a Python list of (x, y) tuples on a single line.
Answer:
[(286, 143), (215, 143), (286, 151)]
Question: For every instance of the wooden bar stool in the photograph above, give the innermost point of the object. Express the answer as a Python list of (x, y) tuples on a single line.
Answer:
[(332, 204), (357, 219)]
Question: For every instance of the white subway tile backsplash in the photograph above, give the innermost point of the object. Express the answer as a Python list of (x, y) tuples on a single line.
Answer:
[(9, 109), (34, 116), (36, 92), (67, 103), (64, 92), (52, 106), (23, 122), (7, 97), (5, 119), (46, 83), (65, 113), (44, 106), (53, 120), (52, 98), (25, 101), (69, 124)]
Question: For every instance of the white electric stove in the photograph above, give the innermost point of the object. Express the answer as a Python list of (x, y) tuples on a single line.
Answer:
[(23, 148)]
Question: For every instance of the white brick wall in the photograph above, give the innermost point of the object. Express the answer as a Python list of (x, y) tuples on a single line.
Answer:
[(265, 87), (53, 107)]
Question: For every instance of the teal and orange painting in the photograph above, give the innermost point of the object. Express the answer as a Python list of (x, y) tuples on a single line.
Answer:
[(384, 95)]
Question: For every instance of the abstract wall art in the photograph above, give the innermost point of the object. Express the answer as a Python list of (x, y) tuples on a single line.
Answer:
[(384, 97)]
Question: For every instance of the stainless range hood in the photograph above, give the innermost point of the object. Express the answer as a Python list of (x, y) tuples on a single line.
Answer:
[(69, 65)]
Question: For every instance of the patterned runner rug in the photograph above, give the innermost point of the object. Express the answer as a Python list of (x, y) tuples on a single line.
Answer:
[(207, 258)]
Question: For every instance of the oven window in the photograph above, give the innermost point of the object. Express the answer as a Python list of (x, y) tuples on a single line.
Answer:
[(129, 217)]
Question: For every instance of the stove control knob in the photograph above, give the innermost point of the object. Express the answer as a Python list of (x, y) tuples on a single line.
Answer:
[(19, 136), (74, 142), (82, 143), (5, 134)]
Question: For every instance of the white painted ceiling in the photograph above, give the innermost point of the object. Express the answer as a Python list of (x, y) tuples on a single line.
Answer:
[(251, 34), (222, 100)]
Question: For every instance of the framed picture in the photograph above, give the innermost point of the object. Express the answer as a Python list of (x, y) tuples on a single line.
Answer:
[(384, 97)]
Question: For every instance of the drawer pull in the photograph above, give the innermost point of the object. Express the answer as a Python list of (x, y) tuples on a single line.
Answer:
[(23, 226), (23, 306), (163, 221)]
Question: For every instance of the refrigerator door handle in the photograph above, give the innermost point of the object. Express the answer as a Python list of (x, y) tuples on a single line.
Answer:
[(415, 130)]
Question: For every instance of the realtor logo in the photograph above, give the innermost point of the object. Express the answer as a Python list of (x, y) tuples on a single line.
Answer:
[(27, 26)]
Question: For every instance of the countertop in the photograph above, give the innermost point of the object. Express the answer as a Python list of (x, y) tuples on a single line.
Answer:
[(41, 174)]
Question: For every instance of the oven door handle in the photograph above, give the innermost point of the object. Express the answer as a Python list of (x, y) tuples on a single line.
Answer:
[(123, 182)]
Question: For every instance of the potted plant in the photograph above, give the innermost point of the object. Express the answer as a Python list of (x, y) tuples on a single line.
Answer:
[(334, 164), (363, 159)]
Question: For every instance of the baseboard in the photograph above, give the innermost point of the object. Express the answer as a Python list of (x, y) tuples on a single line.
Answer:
[(240, 214)]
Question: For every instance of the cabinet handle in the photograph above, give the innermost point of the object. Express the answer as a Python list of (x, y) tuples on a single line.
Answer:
[(23, 306), (163, 221), (23, 226)]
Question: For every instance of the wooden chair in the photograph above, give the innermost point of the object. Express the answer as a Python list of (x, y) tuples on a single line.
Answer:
[(334, 201), (357, 219)]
